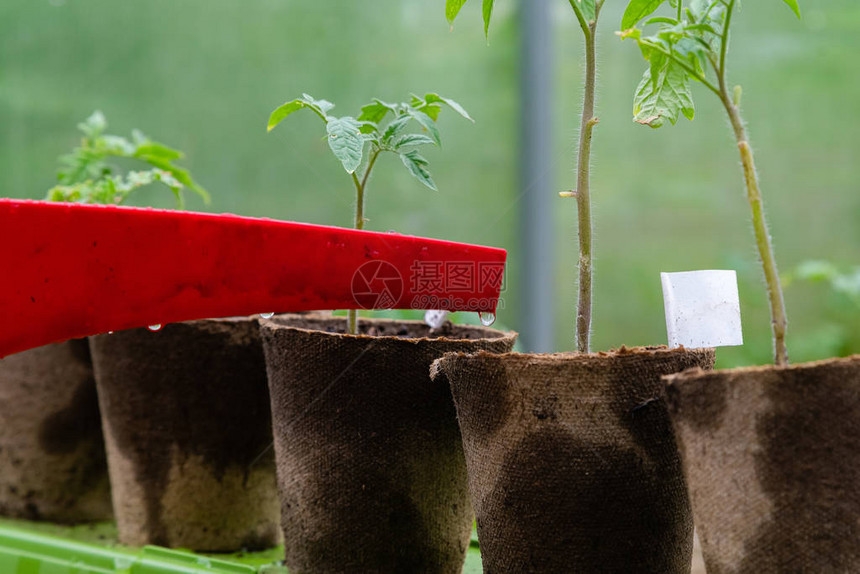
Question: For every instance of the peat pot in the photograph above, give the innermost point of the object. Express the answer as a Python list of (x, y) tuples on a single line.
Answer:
[(370, 461), (572, 461), (188, 431), (772, 458), (52, 457)]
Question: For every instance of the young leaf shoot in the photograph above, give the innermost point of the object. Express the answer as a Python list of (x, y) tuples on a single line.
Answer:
[(87, 177), (689, 46), (357, 142)]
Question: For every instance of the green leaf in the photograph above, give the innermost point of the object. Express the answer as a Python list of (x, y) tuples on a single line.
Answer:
[(794, 7), (367, 127), (657, 61), (94, 125), (426, 122), (181, 175), (417, 166), (661, 20), (395, 127), (373, 112), (452, 8), (666, 98), (346, 141), (488, 13), (154, 149), (701, 28), (319, 107), (88, 178), (432, 110), (436, 98), (323, 106), (587, 8), (412, 140), (115, 145), (283, 111), (376, 111), (637, 10), (688, 48)]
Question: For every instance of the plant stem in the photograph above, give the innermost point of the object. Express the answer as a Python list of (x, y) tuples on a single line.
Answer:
[(763, 242), (583, 193), (724, 39), (360, 185)]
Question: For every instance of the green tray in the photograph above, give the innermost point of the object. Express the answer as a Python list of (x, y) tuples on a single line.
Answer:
[(43, 548)]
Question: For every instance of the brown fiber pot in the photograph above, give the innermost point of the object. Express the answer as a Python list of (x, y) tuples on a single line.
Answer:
[(370, 460), (772, 458), (572, 461), (188, 431), (52, 457)]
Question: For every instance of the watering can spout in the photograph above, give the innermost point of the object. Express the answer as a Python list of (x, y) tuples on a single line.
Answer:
[(73, 270)]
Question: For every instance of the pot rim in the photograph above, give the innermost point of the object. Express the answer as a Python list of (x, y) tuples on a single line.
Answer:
[(698, 374), (274, 325), (577, 357)]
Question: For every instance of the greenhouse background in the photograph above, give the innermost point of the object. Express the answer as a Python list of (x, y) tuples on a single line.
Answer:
[(203, 76)]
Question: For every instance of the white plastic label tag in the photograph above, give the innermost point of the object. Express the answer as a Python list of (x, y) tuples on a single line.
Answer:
[(702, 309)]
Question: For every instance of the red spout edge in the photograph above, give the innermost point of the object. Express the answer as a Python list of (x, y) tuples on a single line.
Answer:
[(73, 270)]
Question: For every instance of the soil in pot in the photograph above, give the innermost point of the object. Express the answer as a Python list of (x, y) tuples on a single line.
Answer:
[(572, 461), (188, 431), (370, 460), (52, 458), (772, 458)]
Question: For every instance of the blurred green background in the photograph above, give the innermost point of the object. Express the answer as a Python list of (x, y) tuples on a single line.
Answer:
[(203, 75)]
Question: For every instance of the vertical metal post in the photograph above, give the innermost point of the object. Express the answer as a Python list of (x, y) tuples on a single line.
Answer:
[(536, 179)]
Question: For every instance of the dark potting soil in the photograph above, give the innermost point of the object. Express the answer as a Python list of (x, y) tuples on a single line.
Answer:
[(392, 328), (773, 461), (52, 459), (370, 463), (188, 429), (572, 460)]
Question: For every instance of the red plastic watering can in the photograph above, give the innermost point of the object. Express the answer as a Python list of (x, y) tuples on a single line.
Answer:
[(73, 270)]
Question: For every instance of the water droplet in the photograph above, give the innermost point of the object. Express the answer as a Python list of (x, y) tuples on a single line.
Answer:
[(435, 318), (156, 327), (267, 315), (487, 318), (110, 332)]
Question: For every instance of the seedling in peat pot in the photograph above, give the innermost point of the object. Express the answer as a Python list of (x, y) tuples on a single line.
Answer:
[(358, 142), (692, 44), (574, 453), (87, 177), (587, 14)]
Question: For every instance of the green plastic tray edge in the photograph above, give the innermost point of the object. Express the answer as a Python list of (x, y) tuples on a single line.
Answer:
[(44, 548)]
